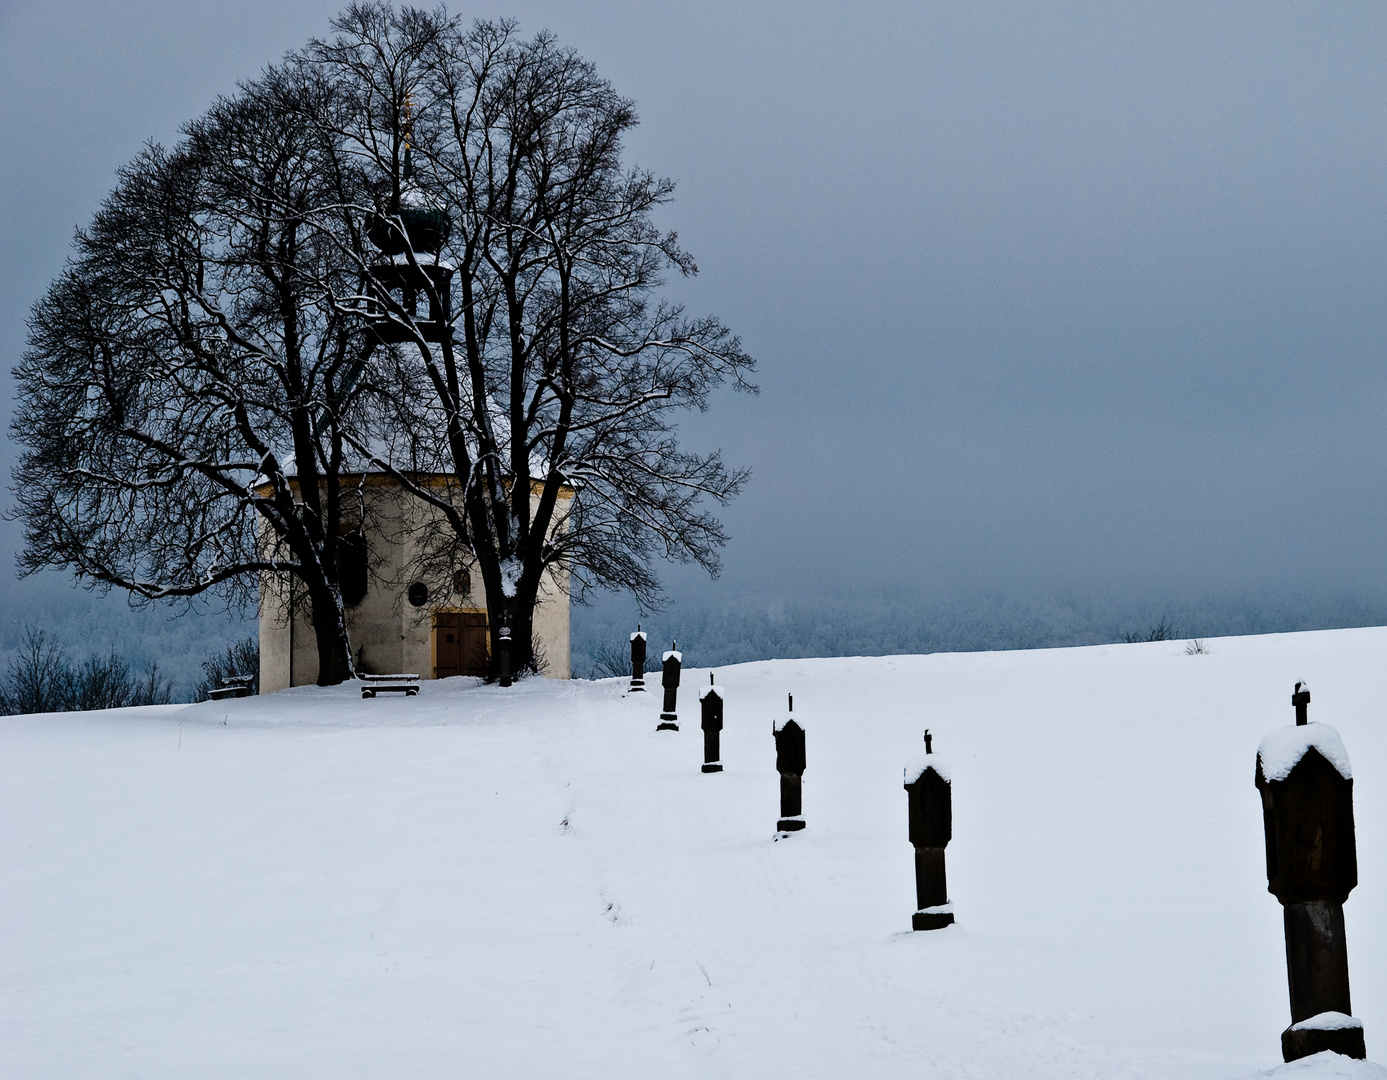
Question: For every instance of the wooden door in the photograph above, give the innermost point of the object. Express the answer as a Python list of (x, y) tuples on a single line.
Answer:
[(447, 644), (460, 644), (473, 642)]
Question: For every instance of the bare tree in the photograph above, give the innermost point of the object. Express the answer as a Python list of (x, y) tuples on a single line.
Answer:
[(189, 380), (549, 399), (40, 679), (413, 247)]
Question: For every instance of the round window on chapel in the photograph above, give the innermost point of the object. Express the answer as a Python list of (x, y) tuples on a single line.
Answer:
[(418, 594)]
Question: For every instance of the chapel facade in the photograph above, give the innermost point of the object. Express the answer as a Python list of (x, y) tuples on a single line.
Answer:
[(405, 613)]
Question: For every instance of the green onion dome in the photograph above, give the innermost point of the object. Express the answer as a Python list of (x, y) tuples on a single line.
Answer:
[(424, 221)]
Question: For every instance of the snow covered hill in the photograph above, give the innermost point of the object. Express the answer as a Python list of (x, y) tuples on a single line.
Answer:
[(534, 883)]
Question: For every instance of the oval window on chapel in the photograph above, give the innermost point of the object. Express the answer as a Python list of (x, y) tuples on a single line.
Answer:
[(418, 594)]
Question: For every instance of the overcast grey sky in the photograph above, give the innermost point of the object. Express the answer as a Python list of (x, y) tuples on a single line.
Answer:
[(1045, 296)]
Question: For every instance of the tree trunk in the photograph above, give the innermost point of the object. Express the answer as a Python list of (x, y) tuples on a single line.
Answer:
[(514, 612), (522, 637), (330, 631)]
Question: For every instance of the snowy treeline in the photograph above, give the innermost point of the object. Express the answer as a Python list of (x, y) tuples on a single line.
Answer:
[(753, 628), (88, 623), (39, 674), (40, 678), (876, 624)]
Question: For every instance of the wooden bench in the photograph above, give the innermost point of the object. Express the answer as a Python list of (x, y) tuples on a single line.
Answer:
[(371, 685), (232, 686)]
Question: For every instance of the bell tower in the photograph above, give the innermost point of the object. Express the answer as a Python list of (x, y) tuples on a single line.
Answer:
[(409, 237)]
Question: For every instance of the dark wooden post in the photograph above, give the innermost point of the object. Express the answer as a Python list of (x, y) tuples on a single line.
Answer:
[(710, 699), (669, 679), (1306, 785), (931, 829), (503, 650), (637, 662), (789, 763)]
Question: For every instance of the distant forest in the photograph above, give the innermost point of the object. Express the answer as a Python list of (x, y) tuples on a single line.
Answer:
[(84, 623), (880, 624), (871, 623)]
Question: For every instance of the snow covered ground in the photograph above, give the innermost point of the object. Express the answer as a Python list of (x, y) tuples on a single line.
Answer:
[(534, 883)]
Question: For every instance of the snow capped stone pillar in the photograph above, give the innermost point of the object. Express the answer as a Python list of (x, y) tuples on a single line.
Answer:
[(669, 679), (637, 661), (1306, 785), (710, 700), (789, 763), (931, 828)]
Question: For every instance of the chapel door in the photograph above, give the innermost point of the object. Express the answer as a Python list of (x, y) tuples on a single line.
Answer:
[(460, 643), (473, 642), (447, 644)]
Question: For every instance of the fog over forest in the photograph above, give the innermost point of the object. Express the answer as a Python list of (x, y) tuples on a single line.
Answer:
[(1070, 320)]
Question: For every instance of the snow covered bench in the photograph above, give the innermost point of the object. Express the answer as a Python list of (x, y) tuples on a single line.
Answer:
[(232, 686), (371, 685)]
